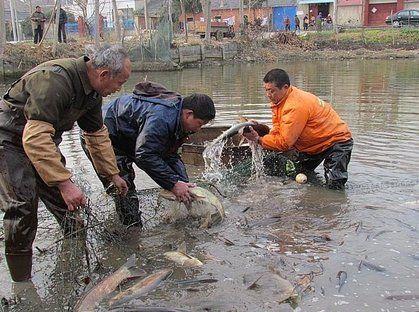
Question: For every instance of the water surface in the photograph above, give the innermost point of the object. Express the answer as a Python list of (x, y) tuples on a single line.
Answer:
[(319, 232)]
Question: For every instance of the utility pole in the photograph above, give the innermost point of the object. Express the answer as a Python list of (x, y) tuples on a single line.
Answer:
[(13, 17), (117, 23), (335, 15), (185, 24), (146, 15), (96, 22)]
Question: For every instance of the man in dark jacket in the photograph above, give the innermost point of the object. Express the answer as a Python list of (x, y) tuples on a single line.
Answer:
[(147, 128), (38, 21), (62, 36)]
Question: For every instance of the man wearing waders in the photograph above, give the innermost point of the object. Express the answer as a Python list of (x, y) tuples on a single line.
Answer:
[(307, 125), (34, 113), (147, 128)]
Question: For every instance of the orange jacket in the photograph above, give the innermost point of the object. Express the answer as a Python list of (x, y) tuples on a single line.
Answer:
[(304, 122)]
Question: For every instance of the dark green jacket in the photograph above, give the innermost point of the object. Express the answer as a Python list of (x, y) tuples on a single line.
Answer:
[(57, 92), (38, 19)]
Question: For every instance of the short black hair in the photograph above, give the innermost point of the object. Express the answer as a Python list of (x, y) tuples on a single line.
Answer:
[(37, 7), (277, 76), (201, 105)]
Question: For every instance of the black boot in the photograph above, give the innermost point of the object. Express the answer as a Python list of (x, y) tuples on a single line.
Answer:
[(127, 208)]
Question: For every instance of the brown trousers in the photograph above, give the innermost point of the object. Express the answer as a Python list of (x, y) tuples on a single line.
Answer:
[(20, 190)]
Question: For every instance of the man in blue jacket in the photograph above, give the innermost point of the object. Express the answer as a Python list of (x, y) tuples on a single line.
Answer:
[(147, 128)]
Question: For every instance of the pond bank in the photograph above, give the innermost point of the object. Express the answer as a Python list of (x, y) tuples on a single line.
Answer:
[(253, 47)]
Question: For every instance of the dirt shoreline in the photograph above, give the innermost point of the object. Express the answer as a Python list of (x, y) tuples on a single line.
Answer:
[(254, 54)]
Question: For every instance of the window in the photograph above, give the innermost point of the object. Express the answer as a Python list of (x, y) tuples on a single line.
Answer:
[(217, 18), (414, 13), (404, 14), (189, 19)]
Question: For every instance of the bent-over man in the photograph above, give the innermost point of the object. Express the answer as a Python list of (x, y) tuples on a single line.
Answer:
[(34, 112), (147, 128), (310, 126)]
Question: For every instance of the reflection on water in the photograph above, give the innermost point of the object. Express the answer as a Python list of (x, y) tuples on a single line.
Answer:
[(300, 230)]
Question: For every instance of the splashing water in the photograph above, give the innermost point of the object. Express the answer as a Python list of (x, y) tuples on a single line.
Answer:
[(214, 168), (257, 160), (215, 171)]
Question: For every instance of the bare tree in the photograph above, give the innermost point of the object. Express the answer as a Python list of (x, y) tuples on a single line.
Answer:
[(82, 4), (57, 16), (185, 24), (96, 22), (117, 23), (146, 15), (13, 17), (206, 7)]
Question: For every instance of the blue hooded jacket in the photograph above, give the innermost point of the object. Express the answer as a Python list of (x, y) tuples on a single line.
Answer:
[(146, 128)]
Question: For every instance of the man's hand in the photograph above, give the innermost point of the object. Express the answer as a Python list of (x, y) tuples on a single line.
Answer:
[(181, 190), (120, 184), (251, 135), (72, 195)]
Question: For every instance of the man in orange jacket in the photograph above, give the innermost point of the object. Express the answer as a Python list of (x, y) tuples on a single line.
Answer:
[(310, 126)]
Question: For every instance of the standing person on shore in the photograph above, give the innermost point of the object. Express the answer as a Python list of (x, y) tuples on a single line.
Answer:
[(313, 21), (297, 23), (319, 21), (34, 113), (62, 36), (306, 22), (304, 123), (38, 21), (287, 23), (147, 128)]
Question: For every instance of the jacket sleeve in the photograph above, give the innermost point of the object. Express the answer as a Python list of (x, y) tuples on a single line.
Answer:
[(42, 152), (177, 165), (283, 136), (48, 95), (149, 151), (100, 149)]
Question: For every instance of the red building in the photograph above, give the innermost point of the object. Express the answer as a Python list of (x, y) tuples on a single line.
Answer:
[(228, 11), (370, 12)]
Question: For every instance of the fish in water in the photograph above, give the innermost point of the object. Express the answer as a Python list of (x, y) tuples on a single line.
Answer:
[(370, 266), (403, 297), (198, 281), (142, 308), (141, 287), (284, 289), (342, 277), (95, 295), (181, 257), (205, 207)]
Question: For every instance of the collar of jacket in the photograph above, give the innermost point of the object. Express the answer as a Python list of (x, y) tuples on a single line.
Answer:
[(283, 99), (82, 71)]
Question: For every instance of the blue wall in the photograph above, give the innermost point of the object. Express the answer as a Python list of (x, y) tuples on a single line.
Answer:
[(279, 14)]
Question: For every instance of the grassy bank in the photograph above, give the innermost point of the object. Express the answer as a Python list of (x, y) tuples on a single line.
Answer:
[(370, 38), (347, 44)]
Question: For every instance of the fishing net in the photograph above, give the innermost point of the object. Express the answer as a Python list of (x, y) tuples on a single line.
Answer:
[(155, 44)]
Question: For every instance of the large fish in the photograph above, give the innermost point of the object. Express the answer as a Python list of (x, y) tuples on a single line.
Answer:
[(205, 207), (95, 295), (181, 257), (233, 130), (143, 308), (141, 287)]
